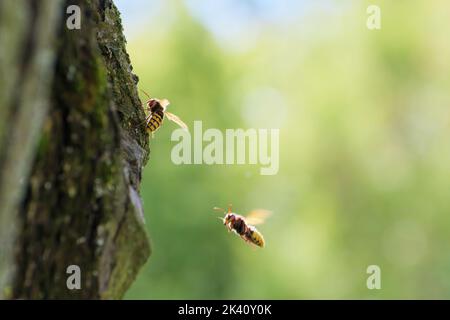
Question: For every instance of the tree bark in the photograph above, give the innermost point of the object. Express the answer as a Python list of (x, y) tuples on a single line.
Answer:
[(73, 196)]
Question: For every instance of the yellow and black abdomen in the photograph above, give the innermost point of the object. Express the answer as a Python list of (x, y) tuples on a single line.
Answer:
[(256, 237), (155, 121)]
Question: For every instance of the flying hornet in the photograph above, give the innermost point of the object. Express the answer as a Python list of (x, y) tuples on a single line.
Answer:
[(245, 226)]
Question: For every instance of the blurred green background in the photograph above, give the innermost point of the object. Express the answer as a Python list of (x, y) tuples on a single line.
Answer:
[(364, 119)]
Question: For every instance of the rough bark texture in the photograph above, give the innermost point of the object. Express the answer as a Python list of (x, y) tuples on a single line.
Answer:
[(80, 204)]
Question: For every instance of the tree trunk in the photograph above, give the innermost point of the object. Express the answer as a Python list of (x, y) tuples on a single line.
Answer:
[(72, 194)]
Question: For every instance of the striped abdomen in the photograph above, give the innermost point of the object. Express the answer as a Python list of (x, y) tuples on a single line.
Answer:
[(255, 236), (155, 121)]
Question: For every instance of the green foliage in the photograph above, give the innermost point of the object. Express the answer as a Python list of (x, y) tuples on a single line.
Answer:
[(364, 165)]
